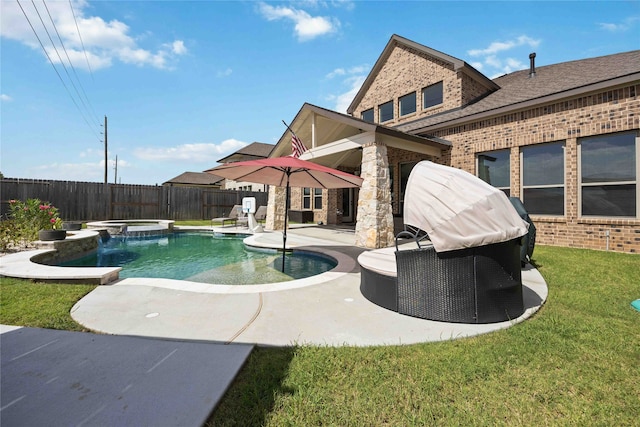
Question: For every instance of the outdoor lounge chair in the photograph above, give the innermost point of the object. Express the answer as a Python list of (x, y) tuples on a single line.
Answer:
[(474, 285), (234, 215), (469, 270), (260, 215)]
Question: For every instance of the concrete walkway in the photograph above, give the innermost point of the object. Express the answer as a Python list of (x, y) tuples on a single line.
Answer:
[(324, 310)]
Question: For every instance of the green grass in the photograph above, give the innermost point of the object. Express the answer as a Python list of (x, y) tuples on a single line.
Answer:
[(576, 362), (197, 222), (40, 305)]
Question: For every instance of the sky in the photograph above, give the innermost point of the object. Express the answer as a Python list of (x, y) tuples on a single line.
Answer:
[(185, 83)]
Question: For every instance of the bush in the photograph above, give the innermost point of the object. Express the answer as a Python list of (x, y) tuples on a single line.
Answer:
[(29, 217)]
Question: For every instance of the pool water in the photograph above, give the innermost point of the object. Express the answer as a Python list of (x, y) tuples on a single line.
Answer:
[(201, 257)]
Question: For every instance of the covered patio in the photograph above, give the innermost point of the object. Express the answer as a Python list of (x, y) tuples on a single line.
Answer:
[(343, 142)]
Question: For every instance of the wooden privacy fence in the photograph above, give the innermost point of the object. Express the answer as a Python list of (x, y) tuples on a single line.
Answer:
[(91, 201)]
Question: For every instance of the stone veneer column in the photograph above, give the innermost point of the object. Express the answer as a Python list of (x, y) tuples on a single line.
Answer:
[(374, 226), (275, 208)]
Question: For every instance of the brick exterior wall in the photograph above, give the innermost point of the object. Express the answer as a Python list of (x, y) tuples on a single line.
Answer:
[(407, 70), (610, 111)]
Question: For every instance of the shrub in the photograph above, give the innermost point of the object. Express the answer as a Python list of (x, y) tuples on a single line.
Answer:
[(31, 216)]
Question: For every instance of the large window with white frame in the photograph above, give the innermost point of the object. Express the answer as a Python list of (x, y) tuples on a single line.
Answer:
[(494, 167), (609, 175), (407, 104), (543, 178)]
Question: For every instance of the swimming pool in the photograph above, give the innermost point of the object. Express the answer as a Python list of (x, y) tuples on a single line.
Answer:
[(201, 257)]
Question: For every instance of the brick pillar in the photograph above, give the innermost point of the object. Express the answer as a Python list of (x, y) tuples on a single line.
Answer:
[(275, 208), (374, 226)]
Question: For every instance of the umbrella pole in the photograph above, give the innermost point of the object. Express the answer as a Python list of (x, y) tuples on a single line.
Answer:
[(286, 215)]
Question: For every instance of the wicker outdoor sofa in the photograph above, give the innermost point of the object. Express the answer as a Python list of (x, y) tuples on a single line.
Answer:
[(475, 285), (470, 269)]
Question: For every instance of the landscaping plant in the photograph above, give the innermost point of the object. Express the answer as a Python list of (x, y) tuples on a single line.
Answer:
[(29, 217)]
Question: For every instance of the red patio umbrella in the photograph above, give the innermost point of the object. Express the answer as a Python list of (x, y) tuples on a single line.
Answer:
[(286, 172)]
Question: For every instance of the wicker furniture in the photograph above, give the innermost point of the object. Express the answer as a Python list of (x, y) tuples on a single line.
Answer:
[(475, 285)]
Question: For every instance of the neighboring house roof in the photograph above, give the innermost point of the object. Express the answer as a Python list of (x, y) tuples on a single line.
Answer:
[(550, 83), (195, 178), (395, 40), (255, 150)]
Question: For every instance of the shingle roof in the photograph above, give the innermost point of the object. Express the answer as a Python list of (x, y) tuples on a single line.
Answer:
[(195, 178), (255, 150), (518, 89)]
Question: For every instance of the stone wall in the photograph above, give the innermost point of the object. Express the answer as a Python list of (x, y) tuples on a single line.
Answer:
[(374, 226)]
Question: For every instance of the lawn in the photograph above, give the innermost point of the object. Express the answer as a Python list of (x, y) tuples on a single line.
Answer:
[(576, 362)]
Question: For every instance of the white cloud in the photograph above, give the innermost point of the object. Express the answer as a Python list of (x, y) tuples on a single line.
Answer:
[(492, 60), (89, 171), (196, 153), (352, 80), (306, 27), (5, 98), (625, 25), (501, 46), (224, 73), (103, 41)]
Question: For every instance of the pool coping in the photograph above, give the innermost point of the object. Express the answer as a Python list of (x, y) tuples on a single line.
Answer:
[(21, 265)]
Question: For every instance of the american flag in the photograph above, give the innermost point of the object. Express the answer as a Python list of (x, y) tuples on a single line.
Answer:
[(297, 147)]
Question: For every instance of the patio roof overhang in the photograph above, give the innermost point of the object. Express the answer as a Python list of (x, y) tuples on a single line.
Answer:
[(334, 139)]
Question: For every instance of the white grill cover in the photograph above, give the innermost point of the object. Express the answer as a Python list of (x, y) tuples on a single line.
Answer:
[(457, 209)]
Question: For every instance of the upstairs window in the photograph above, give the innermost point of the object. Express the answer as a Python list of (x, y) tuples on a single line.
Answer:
[(407, 104), (386, 111), (367, 115), (493, 167), (608, 175), (432, 95), (543, 178)]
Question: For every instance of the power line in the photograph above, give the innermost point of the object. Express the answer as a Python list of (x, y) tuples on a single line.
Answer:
[(55, 69), (81, 42), (59, 57), (69, 59)]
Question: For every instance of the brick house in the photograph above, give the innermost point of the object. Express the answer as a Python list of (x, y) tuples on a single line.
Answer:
[(564, 138)]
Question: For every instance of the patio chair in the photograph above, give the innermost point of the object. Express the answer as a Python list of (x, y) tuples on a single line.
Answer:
[(234, 215), (260, 215)]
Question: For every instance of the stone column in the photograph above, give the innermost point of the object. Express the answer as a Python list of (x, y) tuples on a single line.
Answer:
[(275, 208), (374, 226)]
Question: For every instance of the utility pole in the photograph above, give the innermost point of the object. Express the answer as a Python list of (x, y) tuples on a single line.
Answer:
[(106, 162), (115, 179)]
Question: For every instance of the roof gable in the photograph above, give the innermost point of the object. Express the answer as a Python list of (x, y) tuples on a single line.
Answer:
[(457, 65)]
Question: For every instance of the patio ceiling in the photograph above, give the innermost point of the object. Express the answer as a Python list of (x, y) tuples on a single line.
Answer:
[(334, 139)]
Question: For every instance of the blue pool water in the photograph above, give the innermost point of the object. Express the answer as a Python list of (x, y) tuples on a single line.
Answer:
[(202, 258)]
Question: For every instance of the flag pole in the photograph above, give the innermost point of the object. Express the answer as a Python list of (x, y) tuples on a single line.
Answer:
[(290, 130)]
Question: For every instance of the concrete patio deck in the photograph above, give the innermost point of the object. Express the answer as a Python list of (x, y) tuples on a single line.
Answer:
[(323, 310)]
